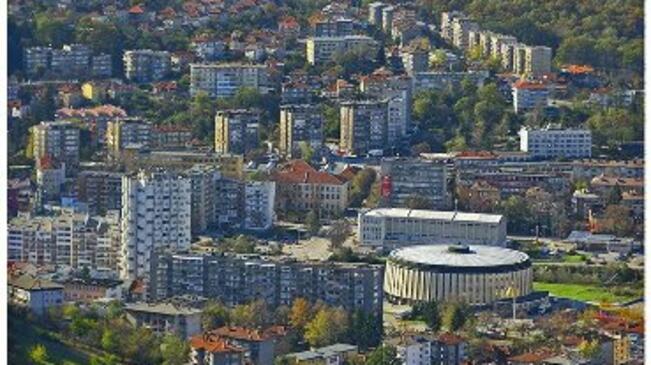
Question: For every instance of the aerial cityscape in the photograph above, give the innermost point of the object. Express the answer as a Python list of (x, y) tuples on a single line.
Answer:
[(325, 182)]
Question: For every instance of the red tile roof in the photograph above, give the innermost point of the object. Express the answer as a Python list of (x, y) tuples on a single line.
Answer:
[(521, 84), (300, 172), (211, 342), (450, 339), (249, 334), (137, 9)]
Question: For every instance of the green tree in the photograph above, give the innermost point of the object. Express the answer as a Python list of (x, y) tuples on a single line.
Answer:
[(614, 195), (214, 315), (430, 313), (418, 202), (38, 355), (109, 340), (383, 355), (328, 326), (306, 151), (454, 316), (175, 351), (338, 233), (361, 186), (300, 313), (312, 222), (331, 118)]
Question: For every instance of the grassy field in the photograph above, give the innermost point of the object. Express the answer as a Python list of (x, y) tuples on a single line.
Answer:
[(23, 336), (575, 259), (588, 293)]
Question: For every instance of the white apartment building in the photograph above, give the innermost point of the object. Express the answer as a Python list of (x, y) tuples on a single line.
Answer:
[(460, 30), (529, 95), (554, 142), (300, 123), (70, 59), (58, 140), (398, 110), (322, 49), (446, 24), (69, 239), (497, 40), (146, 65), (388, 228), (223, 80), (375, 12), (156, 211), (36, 294), (259, 198)]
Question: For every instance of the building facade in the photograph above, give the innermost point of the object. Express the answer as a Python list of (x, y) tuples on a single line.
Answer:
[(156, 211), (223, 80), (405, 179), (236, 130), (363, 126), (300, 124), (146, 65), (552, 142), (322, 49), (58, 140), (259, 200), (394, 227)]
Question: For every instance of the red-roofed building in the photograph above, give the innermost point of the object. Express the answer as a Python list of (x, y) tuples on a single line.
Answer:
[(529, 358), (258, 344), (529, 95), (300, 188), (210, 348)]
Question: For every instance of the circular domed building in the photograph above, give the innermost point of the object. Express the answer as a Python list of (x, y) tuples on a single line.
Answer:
[(477, 275)]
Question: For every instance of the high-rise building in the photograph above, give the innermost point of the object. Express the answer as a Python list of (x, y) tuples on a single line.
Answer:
[(203, 179), (223, 80), (333, 27), (58, 140), (236, 130), (259, 199), (100, 190), (461, 27), (156, 214), (387, 18), (124, 133), (497, 40), (406, 179), (146, 65), (300, 123), (375, 12), (447, 19), (37, 60), (538, 60), (363, 126), (101, 65)]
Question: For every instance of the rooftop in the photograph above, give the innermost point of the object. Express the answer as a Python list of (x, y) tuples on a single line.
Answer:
[(450, 216), (476, 256), (29, 282), (162, 308)]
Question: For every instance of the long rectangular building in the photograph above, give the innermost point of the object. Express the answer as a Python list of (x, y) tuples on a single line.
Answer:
[(389, 228), (239, 279)]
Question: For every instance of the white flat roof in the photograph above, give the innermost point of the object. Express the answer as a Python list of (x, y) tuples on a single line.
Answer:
[(450, 216)]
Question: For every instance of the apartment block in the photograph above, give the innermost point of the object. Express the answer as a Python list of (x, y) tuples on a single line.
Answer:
[(538, 60), (375, 12), (203, 179), (170, 136), (101, 66), (237, 130), (444, 349), (333, 27), (461, 27), (259, 199), (497, 40), (58, 140), (404, 179), (71, 59), (529, 95), (447, 19), (33, 293), (36, 60), (239, 279), (554, 142), (387, 18), (223, 80), (127, 133), (441, 80), (156, 213), (322, 49), (415, 60), (70, 239), (146, 65), (101, 191), (363, 126), (300, 123)]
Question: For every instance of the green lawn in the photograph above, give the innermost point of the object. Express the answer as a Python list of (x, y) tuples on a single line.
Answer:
[(23, 336), (574, 258), (588, 293)]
